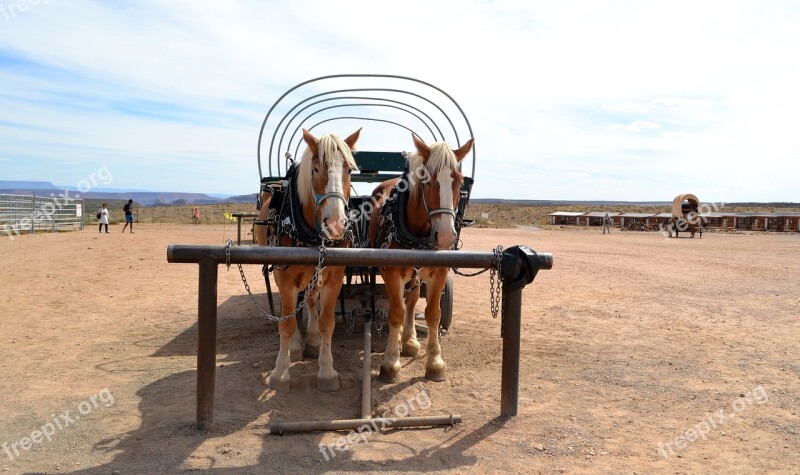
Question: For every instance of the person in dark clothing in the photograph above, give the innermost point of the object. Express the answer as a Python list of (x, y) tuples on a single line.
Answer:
[(128, 209)]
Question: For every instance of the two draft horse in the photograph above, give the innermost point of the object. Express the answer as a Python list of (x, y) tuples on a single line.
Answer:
[(316, 200), (417, 210)]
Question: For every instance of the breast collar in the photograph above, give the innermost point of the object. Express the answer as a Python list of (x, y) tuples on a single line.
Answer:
[(291, 220), (393, 214)]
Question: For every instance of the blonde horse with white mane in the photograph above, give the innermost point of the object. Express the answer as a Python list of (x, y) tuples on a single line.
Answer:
[(422, 209), (319, 190)]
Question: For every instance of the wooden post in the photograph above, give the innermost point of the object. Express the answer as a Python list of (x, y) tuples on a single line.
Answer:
[(206, 343)]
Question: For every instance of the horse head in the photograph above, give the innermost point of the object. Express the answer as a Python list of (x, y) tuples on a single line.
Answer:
[(324, 182), (439, 188)]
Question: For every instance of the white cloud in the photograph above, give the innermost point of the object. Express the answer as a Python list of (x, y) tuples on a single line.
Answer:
[(678, 102), (675, 135), (632, 107), (636, 126), (721, 84)]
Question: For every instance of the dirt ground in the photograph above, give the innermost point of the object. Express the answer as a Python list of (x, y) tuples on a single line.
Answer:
[(631, 347)]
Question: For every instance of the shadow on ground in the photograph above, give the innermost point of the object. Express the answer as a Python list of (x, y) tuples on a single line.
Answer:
[(167, 441)]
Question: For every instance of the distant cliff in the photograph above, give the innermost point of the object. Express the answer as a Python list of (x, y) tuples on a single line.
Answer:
[(143, 198)]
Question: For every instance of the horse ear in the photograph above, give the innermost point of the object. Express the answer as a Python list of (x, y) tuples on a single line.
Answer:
[(311, 141), (464, 150), (422, 147), (353, 138)]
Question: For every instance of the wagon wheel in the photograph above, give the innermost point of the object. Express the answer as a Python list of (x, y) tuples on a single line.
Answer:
[(447, 305)]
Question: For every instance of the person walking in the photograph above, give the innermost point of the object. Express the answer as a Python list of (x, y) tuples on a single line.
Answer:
[(607, 224), (102, 217), (128, 209), (196, 216)]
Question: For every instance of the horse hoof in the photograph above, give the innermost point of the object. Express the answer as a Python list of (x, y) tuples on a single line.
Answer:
[(436, 372), (280, 385), (311, 352), (410, 348), (389, 372), (296, 354), (328, 385)]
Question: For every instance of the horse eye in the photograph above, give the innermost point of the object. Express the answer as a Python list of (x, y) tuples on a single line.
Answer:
[(316, 170)]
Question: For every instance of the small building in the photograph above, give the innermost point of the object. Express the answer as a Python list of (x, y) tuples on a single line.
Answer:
[(729, 220), (713, 220), (565, 217), (660, 219), (752, 221), (791, 221), (782, 221), (595, 218), (626, 219)]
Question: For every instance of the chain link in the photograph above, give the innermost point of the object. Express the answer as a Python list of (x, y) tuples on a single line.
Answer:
[(316, 281), (389, 235), (495, 282), (380, 321), (349, 322)]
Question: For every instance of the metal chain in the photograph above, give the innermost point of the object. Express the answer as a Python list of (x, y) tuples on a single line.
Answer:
[(390, 235), (415, 281), (380, 322), (457, 271), (272, 218), (495, 282), (316, 281), (349, 322)]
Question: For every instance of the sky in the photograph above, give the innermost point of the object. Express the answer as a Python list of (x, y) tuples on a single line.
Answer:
[(567, 100)]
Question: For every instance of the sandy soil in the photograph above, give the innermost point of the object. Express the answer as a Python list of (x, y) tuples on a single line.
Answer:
[(631, 341)]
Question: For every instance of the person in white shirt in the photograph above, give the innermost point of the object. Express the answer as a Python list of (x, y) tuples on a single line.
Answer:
[(103, 213)]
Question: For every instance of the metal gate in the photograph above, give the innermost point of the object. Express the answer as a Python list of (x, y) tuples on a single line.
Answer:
[(30, 213)]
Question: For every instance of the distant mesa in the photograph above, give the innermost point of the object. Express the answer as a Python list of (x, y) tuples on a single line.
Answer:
[(26, 185), (144, 198)]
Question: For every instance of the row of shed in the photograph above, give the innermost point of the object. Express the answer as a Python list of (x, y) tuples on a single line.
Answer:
[(778, 221)]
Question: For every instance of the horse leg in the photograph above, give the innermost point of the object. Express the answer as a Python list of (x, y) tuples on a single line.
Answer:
[(279, 377), (410, 343), (289, 283), (435, 367), (313, 338), (390, 368), (327, 377)]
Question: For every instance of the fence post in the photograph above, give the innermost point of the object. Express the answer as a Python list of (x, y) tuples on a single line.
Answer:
[(519, 267), (33, 214), (206, 343)]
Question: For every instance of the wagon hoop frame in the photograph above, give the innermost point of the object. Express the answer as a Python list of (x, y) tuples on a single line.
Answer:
[(280, 125)]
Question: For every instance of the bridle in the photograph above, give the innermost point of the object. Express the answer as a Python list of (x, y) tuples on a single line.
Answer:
[(437, 211), (320, 198)]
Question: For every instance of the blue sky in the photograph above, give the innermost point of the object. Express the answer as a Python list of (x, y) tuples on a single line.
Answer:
[(612, 100)]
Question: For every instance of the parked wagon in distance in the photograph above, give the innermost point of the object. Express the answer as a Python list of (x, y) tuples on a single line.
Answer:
[(686, 215)]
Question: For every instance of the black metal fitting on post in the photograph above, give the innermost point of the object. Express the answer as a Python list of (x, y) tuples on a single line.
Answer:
[(520, 266)]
